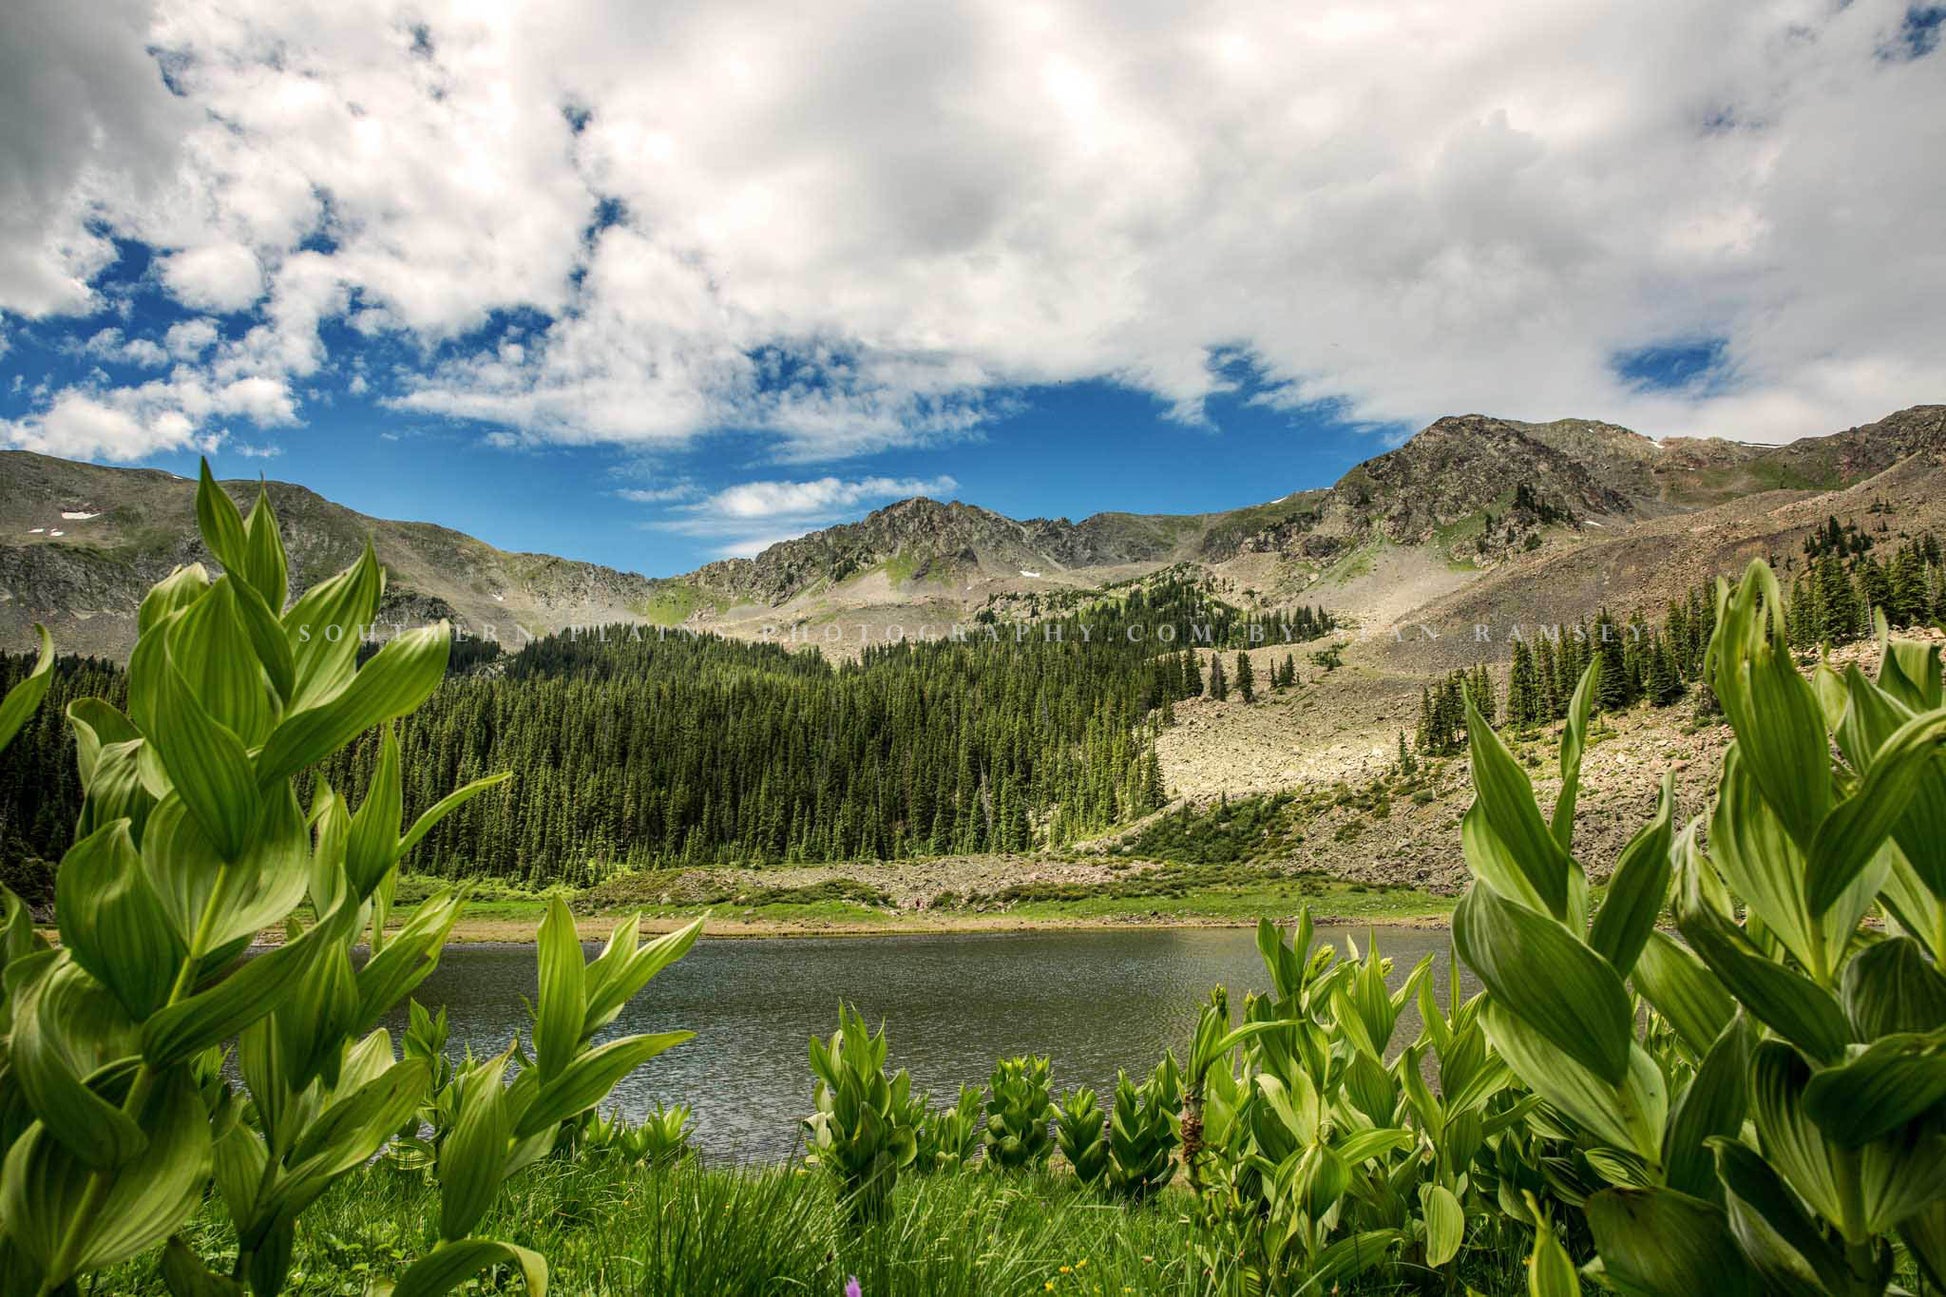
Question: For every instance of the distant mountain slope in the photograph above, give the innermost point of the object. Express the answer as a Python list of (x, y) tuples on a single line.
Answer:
[(1454, 521), (80, 544)]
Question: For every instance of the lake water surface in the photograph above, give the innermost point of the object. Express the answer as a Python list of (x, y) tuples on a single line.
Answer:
[(1094, 1001)]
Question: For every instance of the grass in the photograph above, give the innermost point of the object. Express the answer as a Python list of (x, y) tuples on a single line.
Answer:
[(673, 602), (606, 1229)]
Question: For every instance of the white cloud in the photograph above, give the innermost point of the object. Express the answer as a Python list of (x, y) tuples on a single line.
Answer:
[(220, 277), (858, 227), (820, 498), (751, 516), (674, 492)]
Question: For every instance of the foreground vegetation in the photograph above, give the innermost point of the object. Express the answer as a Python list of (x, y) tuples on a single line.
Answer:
[(1758, 1106)]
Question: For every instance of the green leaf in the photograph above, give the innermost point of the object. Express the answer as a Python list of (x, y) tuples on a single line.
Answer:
[(1924, 1234), (372, 847), (1574, 742), (1535, 969), (206, 763), (113, 924), (1639, 888), (250, 991), (325, 627), (1749, 843), (1900, 1175), (563, 1000), (149, 1197), (1849, 837), (265, 566), (1445, 1223), (588, 1079), (96, 724), (452, 1263), (1787, 1002), (209, 645), (69, 1029), (1682, 989), (1550, 1272), (1784, 1245), (185, 1275), (622, 969), (408, 957), (235, 900), (268, 641), (22, 700), (220, 523), (1505, 797), (1661, 1243), (446, 806), (169, 596), (473, 1158), (1791, 1141), (1628, 1117), (1874, 1093), (1891, 987), (397, 679), (1713, 1104)]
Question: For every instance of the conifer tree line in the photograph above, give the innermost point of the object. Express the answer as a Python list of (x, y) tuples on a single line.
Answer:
[(40, 786), (1837, 587)]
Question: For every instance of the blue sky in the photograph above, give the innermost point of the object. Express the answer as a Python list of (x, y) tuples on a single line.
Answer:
[(1068, 449), (654, 284)]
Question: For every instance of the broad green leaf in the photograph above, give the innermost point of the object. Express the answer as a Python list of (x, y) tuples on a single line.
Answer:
[(1639, 888), (1899, 1176), (1535, 969), (250, 991), (1787, 1002), (588, 1079), (268, 641), (1891, 987), (397, 679), (1849, 837), (1791, 1141), (1874, 1093), (620, 972), (185, 1275), (25, 697), (1628, 1117), (1749, 843), (473, 1158), (1778, 722), (112, 923), (220, 523), (169, 596), (206, 763), (454, 1262), (1350, 1257), (1661, 1243), (1713, 1104), (68, 1030), (1445, 1223), (148, 1198), (407, 958), (1784, 1244), (210, 647), (96, 724), (1681, 988), (265, 566), (325, 627), (372, 846), (1506, 799), (562, 1002), (221, 903)]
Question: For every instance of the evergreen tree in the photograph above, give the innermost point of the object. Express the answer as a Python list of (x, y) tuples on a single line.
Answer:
[(1219, 684), (1246, 678)]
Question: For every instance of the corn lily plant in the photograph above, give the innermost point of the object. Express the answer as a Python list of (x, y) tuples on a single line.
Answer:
[(863, 1130), (949, 1138), (191, 843), (1019, 1113), (1081, 1133), (1795, 1122)]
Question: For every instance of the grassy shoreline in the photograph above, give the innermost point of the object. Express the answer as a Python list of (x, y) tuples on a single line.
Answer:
[(509, 918)]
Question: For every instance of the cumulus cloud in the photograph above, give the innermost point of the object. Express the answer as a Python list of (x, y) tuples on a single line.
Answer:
[(864, 226), (751, 516)]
